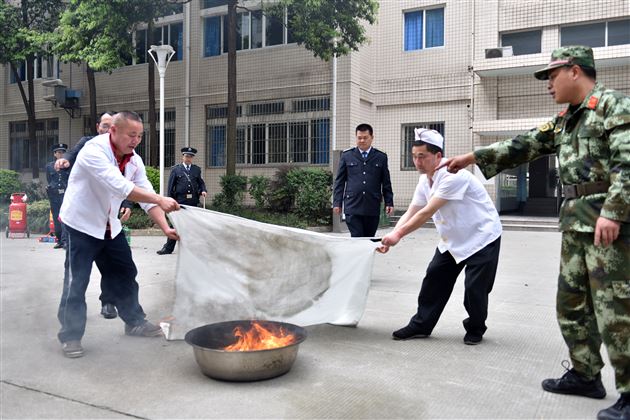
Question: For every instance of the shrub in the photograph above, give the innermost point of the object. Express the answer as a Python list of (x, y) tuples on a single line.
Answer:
[(35, 191), (311, 189), (38, 216), (233, 189), (280, 197), (9, 184), (154, 177), (258, 189), (139, 219)]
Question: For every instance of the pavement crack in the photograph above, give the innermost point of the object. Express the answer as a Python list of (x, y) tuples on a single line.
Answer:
[(102, 407)]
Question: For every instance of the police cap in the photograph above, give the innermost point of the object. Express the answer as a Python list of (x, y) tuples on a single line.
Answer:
[(60, 146), (189, 151)]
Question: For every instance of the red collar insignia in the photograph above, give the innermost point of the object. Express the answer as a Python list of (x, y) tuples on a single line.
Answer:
[(592, 102), (562, 113)]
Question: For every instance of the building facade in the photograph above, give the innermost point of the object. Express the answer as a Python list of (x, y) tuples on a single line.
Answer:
[(463, 67)]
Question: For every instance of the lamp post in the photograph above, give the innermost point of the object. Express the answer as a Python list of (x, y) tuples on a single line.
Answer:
[(161, 55)]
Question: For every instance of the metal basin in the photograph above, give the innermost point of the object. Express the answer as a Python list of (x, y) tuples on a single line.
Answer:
[(209, 340)]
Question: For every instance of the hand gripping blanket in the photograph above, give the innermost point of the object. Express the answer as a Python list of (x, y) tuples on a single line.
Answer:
[(231, 268)]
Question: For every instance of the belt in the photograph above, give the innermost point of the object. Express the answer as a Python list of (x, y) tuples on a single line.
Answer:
[(588, 188)]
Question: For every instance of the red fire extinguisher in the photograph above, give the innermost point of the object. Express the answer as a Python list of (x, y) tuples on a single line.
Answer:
[(18, 223)]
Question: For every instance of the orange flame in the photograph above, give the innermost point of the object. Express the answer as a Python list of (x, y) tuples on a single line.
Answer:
[(259, 337)]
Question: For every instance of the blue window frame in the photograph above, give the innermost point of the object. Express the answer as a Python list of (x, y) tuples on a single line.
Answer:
[(212, 36), (424, 29)]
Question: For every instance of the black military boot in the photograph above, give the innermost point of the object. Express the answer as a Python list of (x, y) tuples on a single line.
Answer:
[(573, 383), (619, 411)]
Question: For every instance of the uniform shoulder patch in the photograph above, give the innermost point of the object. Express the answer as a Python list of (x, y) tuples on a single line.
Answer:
[(546, 126), (592, 102)]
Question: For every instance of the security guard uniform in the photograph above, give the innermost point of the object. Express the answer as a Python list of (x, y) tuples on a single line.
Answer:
[(57, 184), (185, 185), (361, 185)]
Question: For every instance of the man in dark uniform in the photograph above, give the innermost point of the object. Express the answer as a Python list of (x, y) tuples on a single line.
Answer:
[(57, 184), (184, 185), (361, 184)]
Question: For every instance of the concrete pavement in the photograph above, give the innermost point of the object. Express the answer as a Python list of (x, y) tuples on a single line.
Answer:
[(339, 373)]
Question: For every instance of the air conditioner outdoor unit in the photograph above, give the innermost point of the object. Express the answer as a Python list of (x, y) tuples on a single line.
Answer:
[(52, 82), (499, 52)]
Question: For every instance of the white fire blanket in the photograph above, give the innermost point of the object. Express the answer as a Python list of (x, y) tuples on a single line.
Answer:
[(231, 268)]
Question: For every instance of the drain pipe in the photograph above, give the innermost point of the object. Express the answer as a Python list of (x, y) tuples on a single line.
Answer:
[(187, 74), (472, 77)]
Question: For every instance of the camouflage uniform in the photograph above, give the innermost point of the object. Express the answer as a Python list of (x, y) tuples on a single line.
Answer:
[(592, 143)]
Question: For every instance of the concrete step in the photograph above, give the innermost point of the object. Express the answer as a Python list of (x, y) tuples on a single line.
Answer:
[(511, 222)]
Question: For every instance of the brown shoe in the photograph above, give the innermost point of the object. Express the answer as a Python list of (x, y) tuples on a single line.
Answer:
[(145, 329)]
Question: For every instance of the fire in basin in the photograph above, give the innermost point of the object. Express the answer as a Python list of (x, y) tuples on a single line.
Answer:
[(246, 350)]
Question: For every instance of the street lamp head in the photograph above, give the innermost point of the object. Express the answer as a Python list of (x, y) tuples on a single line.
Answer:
[(161, 55)]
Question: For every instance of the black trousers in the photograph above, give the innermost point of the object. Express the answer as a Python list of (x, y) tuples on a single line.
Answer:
[(55, 205), (362, 226), (440, 279), (81, 251)]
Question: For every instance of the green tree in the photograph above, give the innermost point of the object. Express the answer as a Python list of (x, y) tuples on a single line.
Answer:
[(26, 32), (99, 34), (96, 33)]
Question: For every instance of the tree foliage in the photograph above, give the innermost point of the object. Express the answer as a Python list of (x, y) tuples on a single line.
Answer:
[(328, 27), (96, 32), (26, 28)]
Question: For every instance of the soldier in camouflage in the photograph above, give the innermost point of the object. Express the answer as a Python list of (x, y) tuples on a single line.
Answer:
[(591, 139)]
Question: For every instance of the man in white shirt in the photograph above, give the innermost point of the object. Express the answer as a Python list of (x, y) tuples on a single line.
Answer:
[(470, 238), (89, 211)]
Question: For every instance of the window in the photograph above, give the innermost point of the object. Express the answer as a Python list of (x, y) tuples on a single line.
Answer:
[(220, 111), (21, 70), (619, 32), (266, 108), (600, 34), (273, 143), (267, 138), (527, 42), (423, 29), (212, 36), (207, 4), (43, 67), (311, 105), (408, 136), (253, 30), (46, 134), (172, 34), (593, 35)]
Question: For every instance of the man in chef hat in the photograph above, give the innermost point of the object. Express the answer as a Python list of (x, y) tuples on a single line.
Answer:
[(470, 238)]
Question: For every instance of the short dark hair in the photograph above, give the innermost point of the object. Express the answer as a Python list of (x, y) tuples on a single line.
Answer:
[(111, 114), (127, 115), (590, 72), (364, 127), (432, 148)]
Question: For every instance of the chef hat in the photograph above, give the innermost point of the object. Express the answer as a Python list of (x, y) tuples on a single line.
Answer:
[(429, 136)]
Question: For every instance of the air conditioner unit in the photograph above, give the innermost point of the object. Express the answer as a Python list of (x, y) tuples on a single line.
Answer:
[(499, 52), (52, 82)]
